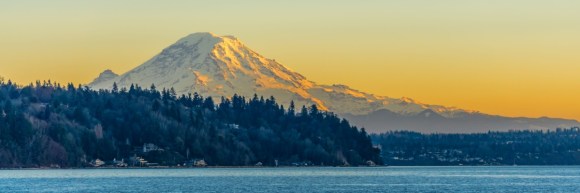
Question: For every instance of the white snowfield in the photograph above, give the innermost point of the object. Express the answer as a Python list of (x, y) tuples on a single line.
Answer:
[(219, 66), (223, 66)]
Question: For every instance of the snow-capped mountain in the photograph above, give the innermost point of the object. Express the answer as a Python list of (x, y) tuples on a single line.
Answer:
[(223, 66)]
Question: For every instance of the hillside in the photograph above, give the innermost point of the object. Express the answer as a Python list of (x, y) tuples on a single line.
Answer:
[(47, 124), (523, 147)]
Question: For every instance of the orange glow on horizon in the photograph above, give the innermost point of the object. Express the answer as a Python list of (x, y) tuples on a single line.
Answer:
[(508, 57)]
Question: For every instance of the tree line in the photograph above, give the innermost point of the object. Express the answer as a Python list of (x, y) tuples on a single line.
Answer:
[(45, 123), (521, 147)]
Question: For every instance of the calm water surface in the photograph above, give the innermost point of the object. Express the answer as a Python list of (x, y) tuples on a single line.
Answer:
[(328, 179)]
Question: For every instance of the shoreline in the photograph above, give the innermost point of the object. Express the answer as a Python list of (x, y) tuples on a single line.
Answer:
[(168, 167), (267, 167)]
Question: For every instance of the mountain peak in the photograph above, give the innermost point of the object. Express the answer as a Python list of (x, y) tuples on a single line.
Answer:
[(105, 76), (202, 35), (218, 66), (223, 66), (207, 37)]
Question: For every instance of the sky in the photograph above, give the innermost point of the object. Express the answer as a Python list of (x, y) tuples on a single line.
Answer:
[(504, 57)]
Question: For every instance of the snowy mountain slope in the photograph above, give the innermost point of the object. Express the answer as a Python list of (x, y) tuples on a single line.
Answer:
[(223, 66), (105, 76), (216, 66)]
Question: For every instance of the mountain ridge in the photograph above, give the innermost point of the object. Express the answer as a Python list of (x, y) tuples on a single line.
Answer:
[(212, 60), (223, 66)]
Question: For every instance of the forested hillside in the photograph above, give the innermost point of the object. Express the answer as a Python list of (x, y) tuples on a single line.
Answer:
[(523, 147), (46, 124)]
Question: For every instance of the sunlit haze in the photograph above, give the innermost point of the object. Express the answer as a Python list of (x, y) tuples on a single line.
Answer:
[(505, 57)]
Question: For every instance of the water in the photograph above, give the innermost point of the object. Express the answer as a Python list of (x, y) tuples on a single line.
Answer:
[(328, 179)]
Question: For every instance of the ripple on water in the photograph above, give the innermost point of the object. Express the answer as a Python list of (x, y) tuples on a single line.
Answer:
[(327, 179)]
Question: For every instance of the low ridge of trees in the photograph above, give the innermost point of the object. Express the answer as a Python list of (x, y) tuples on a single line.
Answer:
[(47, 123), (522, 147)]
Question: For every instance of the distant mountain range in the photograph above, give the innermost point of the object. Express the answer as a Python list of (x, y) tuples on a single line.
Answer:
[(223, 66)]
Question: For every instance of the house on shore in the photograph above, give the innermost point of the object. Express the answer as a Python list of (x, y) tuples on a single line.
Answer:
[(97, 163), (195, 163)]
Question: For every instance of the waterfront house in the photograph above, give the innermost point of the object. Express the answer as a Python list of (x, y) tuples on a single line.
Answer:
[(195, 163), (138, 161), (97, 163), (120, 163)]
